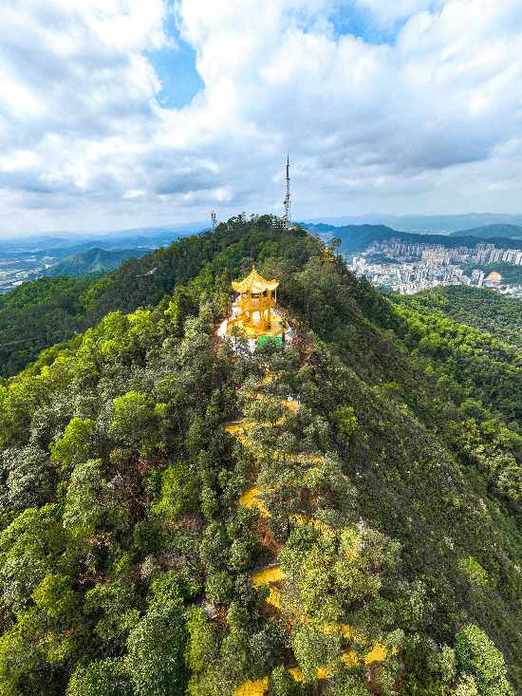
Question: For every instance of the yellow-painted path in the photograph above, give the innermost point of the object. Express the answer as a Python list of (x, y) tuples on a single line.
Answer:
[(272, 575)]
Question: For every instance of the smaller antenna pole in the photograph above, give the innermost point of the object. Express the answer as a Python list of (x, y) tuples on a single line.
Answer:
[(287, 202)]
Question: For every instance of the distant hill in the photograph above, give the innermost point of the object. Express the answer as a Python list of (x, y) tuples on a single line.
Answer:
[(64, 243), (492, 232), (355, 238), (94, 261), (427, 224)]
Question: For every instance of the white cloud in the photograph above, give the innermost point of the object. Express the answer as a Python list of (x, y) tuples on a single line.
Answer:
[(425, 122)]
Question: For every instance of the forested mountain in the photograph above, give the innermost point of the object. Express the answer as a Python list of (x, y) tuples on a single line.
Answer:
[(426, 224), (501, 231), (93, 261), (487, 310), (37, 315), (338, 518), (41, 313)]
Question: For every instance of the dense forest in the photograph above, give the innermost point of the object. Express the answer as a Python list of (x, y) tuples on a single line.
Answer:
[(37, 315), (483, 309), (340, 517), (40, 314)]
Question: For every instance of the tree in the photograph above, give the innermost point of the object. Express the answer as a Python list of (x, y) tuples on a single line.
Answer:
[(30, 549), (201, 655), (466, 686), (346, 421), (156, 648), (76, 444), (348, 685), (107, 677), (202, 642), (219, 587), (29, 477), (133, 418), (477, 655), (179, 488), (314, 649), (113, 605), (335, 574), (87, 502), (56, 598), (282, 684)]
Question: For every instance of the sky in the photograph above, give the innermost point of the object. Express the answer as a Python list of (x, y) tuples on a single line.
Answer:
[(128, 113)]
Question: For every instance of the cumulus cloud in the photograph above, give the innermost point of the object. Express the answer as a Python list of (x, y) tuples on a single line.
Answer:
[(426, 119)]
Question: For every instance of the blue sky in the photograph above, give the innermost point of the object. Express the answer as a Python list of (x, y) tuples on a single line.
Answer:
[(352, 20), (122, 113), (175, 65), (176, 68)]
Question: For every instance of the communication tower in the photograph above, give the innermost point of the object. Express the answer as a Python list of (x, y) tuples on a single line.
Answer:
[(288, 200), (213, 219)]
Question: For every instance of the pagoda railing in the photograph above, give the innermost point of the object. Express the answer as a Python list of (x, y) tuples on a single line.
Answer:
[(256, 303)]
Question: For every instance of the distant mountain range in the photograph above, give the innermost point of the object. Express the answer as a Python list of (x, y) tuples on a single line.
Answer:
[(355, 238), (73, 256), (492, 232), (430, 224), (64, 244)]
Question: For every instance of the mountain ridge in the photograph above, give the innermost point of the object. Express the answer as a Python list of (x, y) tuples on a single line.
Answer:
[(355, 238), (93, 260), (142, 557), (427, 224), (502, 231)]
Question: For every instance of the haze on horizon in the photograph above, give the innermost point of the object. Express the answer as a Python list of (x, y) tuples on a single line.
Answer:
[(125, 113)]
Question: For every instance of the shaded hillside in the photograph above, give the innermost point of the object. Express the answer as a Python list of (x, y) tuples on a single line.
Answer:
[(326, 520), (36, 315), (487, 310)]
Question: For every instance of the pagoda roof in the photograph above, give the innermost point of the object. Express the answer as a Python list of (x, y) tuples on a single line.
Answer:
[(254, 282)]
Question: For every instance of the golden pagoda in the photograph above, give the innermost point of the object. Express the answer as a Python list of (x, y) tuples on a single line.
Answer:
[(254, 313)]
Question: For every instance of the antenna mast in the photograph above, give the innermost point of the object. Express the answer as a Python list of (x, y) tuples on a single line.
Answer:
[(213, 218), (287, 202)]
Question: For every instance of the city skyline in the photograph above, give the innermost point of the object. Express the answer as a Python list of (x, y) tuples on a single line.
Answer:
[(409, 268)]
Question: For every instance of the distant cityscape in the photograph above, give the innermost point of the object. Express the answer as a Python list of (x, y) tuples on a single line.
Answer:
[(18, 269), (409, 268), (34, 257)]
